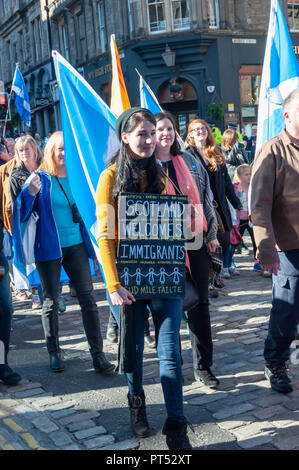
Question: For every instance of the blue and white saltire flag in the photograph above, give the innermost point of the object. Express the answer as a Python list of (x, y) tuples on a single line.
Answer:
[(149, 101), (23, 240), (147, 97), (21, 99), (89, 139), (279, 78)]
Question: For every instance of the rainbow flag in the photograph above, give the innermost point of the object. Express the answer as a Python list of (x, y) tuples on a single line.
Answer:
[(119, 96)]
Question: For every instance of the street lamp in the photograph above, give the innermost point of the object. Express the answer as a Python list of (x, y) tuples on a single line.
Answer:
[(169, 57), (211, 89)]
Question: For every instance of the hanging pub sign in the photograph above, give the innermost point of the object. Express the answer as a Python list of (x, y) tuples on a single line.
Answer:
[(151, 249)]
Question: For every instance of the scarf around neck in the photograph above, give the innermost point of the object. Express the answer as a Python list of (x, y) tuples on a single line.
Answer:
[(188, 188)]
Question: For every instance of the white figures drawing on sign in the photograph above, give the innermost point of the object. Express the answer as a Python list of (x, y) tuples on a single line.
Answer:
[(176, 276), (150, 275)]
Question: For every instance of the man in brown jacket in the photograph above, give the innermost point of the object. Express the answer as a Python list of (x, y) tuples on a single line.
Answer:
[(5, 199), (275, 217)]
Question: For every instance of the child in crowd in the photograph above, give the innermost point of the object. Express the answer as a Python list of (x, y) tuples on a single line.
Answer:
[(241, 185), (229, 267)]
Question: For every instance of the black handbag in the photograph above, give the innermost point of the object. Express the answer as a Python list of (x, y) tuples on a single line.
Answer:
[(191, 299), (77, 219)]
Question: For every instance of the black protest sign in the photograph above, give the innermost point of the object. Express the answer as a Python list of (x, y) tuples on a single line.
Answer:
[(151, 250)]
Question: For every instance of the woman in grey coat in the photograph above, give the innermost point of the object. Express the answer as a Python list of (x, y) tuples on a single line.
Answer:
[(199, 317)]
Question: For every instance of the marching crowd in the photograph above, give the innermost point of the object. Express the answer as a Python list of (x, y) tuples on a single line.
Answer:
[(229, 193)]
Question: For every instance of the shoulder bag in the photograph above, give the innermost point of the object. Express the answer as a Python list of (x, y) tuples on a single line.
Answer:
[(191, 299)]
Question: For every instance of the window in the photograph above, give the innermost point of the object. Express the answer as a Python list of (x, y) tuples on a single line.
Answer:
[(250, 83), (293, 15), (34, 41), (1, 71), (180, 14), (65, 42), (22, 46), (212, 7), (10, 58), (14, 53), (40, 37), (130, 17), (102, 26), (156, 15), (81, 31)]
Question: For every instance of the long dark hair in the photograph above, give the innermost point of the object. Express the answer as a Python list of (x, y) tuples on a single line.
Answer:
[(175, 149), (129, 175)]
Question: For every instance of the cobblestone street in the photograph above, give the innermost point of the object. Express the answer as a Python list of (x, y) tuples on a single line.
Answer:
[(80, 409)]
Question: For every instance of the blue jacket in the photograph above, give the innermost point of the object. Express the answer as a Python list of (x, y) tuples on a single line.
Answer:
[(46, 244)]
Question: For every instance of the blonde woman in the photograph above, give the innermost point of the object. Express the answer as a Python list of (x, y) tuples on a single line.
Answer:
[(27, 159), (233, 152), (201, 144), (61, 240)]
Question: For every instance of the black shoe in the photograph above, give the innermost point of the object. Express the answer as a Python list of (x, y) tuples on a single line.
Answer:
[(218, 282), (112, 335), (139, 424), (151, 343), (56, 363), (176, 435), (73, 292), (213, 292), (206, 377), (278, 378), (101, 364), (238, 249), (8, 376), (245, 249)]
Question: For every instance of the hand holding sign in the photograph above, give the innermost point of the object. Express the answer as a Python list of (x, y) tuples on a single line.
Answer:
[(122, 297)]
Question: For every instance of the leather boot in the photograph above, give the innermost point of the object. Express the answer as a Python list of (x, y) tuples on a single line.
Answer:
[(8, 376), (139, 422), (176, 434), (101, 364), (56, 363)]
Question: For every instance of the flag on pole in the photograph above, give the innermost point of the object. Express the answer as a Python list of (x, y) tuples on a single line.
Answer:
[(22, 99), (279, 78), (149, 101), (119, 96), (147, 97), (89, 139)]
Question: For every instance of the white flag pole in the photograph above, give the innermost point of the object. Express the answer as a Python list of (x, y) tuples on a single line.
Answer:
[(8, 104)]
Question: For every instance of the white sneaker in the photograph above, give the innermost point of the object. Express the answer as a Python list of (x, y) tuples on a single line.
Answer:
[(225, 274), (36, 303), (234, 272), (266, 273)]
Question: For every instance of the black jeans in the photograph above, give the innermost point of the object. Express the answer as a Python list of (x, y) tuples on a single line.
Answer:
[(244, 225), (76, 265), (199, 317), (5, 311)]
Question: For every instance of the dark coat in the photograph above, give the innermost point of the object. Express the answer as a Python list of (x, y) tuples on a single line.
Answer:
[(224, 189), (234, 157), (17, 180)]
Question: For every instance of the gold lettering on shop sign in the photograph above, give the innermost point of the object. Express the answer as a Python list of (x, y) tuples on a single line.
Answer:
[(100, 71)]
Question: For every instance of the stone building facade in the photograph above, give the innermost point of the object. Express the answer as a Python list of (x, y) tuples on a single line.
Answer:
[(217, 48)]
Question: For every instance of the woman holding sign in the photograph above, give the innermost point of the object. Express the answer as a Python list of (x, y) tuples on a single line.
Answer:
[(176, 165), (134, 170)]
